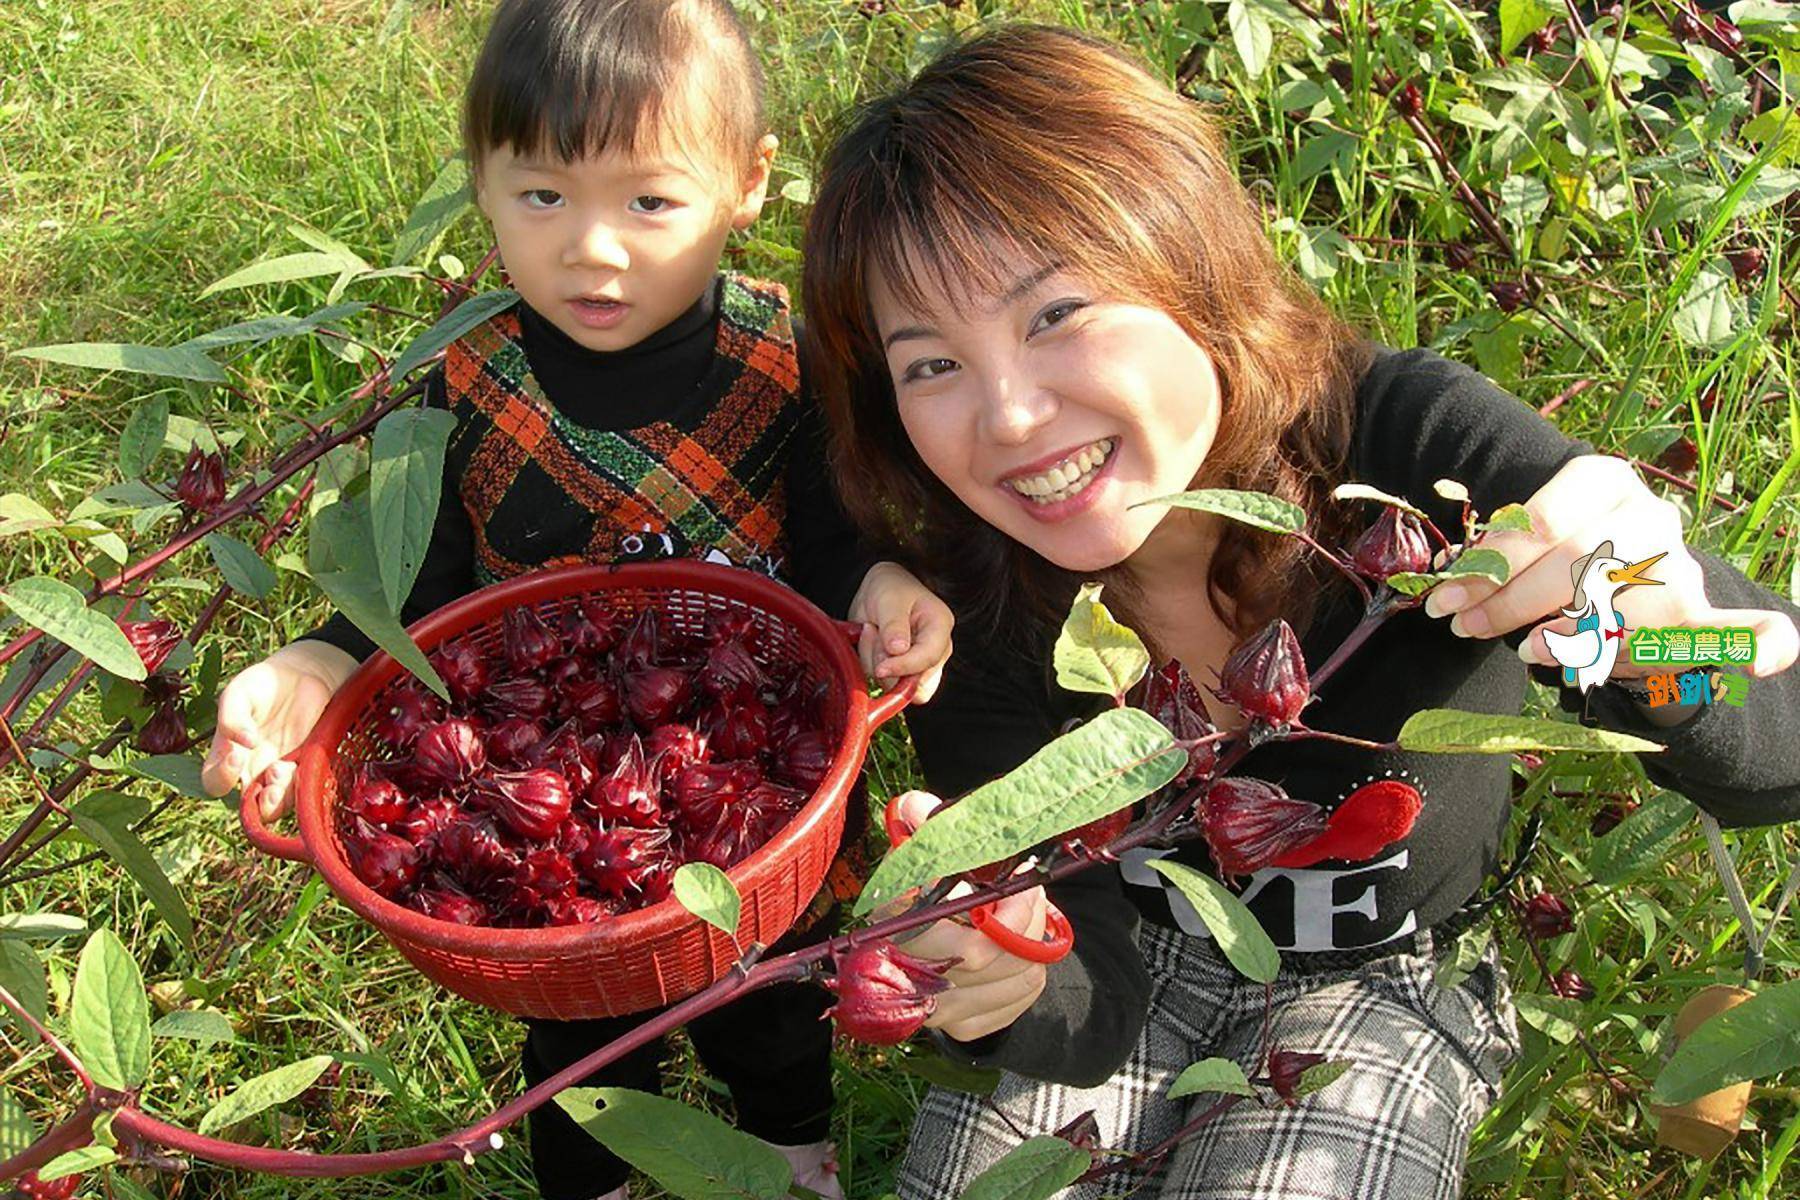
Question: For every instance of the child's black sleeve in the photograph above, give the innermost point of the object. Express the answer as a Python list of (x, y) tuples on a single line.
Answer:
[(828, 560), (448, 570)]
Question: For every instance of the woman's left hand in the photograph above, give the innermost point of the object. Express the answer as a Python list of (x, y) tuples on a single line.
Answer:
[(1597, 498)]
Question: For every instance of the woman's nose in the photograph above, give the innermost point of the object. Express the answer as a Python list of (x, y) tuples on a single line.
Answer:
[(1015, 407), (597, 244)]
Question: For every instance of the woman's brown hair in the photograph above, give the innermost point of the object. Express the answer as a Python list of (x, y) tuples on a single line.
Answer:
[(1059, 142)]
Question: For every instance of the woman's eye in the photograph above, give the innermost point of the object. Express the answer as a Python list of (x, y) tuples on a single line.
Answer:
[(927, 369), (649, 204), (542, 198), (1056, 314)]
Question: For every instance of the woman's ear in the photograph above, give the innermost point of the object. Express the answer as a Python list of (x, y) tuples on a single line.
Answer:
[(756, 184)]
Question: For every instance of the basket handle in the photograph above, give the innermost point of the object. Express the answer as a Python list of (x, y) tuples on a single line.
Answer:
[(276, 845), (886, 706)]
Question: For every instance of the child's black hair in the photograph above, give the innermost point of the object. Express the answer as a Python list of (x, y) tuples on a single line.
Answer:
[(571, 79)]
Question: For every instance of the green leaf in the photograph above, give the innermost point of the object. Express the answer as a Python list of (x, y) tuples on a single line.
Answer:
[(1481, 561), (1758, 1038), (40, 927), (798, 190), (178, 771), (281, 269), (142, 439), (172, 362), (1710, 313), (265, 1091), (1321, 1075), (705, 891), (19, 513), (1641, 840), (341, 557), (242, 567), (1251, 34), (1252, 508), (690, 1154), (934, 1068), (1448, 731), (109, 1014), (445, 199), (1556, 1017), (1094, 653), (1454, 968), (464, 317), (17, 1129), (107, 824), (1333, 148), (1114, 760), (1362, 491), (250, 334), (1240, 935), (406, 475), (1509, 518), (202, 1025), (62, 612), (1035, 1169), (1211, 1075), (22, 974), (77, 1161)]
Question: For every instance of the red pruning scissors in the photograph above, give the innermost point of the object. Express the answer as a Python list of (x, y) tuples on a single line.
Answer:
[(1059, 935)]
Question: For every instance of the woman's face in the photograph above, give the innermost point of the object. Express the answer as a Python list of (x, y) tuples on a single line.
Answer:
[(1051, 409)]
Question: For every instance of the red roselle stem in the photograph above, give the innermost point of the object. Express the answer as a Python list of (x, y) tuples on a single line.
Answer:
[(72, 1134), (50, 1039), (1362, 588)]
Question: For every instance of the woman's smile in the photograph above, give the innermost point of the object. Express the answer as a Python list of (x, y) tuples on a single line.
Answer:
[(1070, 484)]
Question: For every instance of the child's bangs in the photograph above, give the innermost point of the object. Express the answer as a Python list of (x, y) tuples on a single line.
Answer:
[(583, 110)]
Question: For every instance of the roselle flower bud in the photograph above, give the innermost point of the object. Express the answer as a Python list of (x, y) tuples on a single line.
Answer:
[(1726, 36), (1266, 676), (1171, 697), (1609, 816), (594, 703), (512, 741), (165, 732), (404, 713), (531, 803), (1286, 1067), (1546, 916), (1249, 823), (528, 642), (1746, 264), (1395, 543), (153, 641), (739, 727), (576, 910), (427, 819), (883, 993), (463, 669), (378, 800), (520, 696), (1407, 101), (202, 483), (33, 1188), (804, 759), (1509, 296), (382, 860), (1459, 255), (450, 751), (654, 695), (447, 902), (1687, 26), (1569, 984), (1083, 1132), (617, 861)]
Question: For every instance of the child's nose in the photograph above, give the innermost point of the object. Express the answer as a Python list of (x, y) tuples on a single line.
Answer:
[(597, 245)]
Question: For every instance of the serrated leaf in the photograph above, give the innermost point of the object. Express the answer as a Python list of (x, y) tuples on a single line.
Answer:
[(1240, 935), (1448, 731), (1211, 1075), (77, 1161), (22, 974), (169, 362), (282, 269), (17, 1129), (1509, 518), (445, 199), (1094, 652), (108, 826), (1643, 839), (62, 612), (1756, 1039), (109, 1015), (464, 317), (1363, 491), (1252, 508), (689, 1153), (250, 334), (1114, 760), (341, 558), (705, 891), (1321, 1075), (1035, 1169), (242, 567), (406, 475), (40, 927), (263, 1092), (202, 1025), (142, 438)]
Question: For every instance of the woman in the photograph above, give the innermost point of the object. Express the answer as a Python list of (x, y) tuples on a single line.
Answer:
[(1039, 297)]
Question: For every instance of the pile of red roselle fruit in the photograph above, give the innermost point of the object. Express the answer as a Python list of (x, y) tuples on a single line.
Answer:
[(578, 765)]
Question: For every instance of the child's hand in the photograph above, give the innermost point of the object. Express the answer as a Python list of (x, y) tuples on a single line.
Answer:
[(1593, 499), (906, 628), (264, 713)]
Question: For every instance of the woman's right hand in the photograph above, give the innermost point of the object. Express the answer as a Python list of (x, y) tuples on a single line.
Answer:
[(265, 712)]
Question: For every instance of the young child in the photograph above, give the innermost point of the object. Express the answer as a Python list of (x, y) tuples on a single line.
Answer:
[(635, 402)]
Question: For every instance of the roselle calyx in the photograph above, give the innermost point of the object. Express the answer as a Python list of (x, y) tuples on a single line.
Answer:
[(378, 800), (463, 668), (443, 900), (617, 861), (1569, 984), (884, 994), (594, 704), (627, 795), (520, 696), (450, 751), (472, 850), (576, 910), (1096, 835), (1395, 543), (201, 486), (654, 695), (1170, 696), (405, 712), (425, 820), (1266, 676), (386, 862), (512, 741), (531, 803), (590, 629), (166, 730), (153, 640), (731, 665), (673, 748), (527, 642), (739, 727), (1287, 1068), (1249, 823), (549, 872), (803, 759), (1508, 296), (1746, 264), (700, 792), (1546, 916)]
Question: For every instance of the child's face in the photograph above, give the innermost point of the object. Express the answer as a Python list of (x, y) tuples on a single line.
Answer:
[(610, 249)]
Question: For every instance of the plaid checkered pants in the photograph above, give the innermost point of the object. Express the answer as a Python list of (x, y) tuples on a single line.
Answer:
[(1427, 1064)]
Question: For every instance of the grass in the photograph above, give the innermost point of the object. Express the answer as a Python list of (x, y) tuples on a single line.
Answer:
[(147, 149)]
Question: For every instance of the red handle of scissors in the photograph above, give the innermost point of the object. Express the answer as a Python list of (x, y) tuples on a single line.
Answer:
[(1058, 939)]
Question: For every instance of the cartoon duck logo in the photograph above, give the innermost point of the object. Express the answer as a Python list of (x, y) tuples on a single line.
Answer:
[(1587, 655)]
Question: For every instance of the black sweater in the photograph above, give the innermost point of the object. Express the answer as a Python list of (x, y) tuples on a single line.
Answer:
[(656, 380), (1420, 418)]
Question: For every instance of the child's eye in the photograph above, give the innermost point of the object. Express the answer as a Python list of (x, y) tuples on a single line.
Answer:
[(542, 198), (925, 368), (1056, 314), (649, 204)]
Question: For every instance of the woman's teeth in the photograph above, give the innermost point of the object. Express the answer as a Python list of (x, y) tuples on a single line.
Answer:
[(1066, 478)]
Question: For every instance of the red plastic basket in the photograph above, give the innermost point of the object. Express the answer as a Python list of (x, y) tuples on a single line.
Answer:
[(642, 959)]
